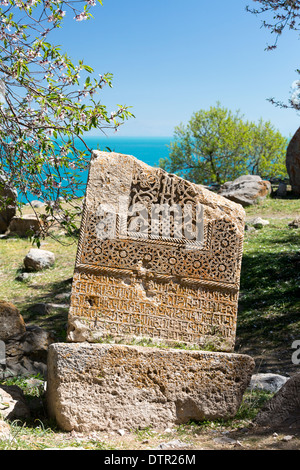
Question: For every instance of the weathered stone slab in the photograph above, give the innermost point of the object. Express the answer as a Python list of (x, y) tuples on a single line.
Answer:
[(108, 387), (25, 226), (158, 257)]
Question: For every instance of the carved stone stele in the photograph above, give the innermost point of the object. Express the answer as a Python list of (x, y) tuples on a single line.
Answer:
[(158, 257)]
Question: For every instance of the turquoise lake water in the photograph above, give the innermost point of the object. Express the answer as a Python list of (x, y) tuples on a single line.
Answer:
[(147, 149)]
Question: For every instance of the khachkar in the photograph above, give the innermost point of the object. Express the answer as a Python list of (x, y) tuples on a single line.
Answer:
[(158, 258)]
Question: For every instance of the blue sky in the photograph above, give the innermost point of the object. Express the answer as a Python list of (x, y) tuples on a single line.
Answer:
[(171, 58)]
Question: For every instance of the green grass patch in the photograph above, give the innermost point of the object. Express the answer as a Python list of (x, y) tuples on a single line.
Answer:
[(269, 305)]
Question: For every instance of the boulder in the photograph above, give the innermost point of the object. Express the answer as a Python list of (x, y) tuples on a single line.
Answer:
[(8, 203), (25, 226), (11, 321), (12, 402), (246, 190), (258, 222), (37, 259), (293, 162), (282, 411), (27, 354), (268, 382)]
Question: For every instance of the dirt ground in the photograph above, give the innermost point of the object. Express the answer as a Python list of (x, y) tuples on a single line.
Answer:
[(249, 438)]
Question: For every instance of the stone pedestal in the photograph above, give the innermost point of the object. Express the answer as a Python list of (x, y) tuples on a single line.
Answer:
[(110, 387)]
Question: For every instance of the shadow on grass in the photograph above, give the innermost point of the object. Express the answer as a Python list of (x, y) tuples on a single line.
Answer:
[(288, 196), (47, 310), (269, 306)]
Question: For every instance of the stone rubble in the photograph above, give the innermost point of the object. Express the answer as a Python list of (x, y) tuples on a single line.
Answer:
[(37, 259)]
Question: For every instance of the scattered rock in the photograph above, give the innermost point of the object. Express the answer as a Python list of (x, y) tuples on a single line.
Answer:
[(282, 411), (65, 448), (23, 277), (8, 198), (293, 162), (45, 309), (11, 321), (168, 430), (5, 433), (287, 438), (63, 296), (249, 228), (268, 382), (246, 190), (37, 204), (33, 383), (37, 259), (25, 226), (27, 354), (295, 223), (258, 222), (12, 402), (225, 440), (281, 190), (40, 309), (175, 444)]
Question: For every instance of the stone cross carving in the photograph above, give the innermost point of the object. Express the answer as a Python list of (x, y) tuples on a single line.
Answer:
[(158, 257)]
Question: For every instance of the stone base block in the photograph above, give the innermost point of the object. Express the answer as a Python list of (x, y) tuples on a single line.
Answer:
[(109, 387)]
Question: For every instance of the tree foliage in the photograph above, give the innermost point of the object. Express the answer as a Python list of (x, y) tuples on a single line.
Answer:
[(47, 104), (218, 145), (280, 15)]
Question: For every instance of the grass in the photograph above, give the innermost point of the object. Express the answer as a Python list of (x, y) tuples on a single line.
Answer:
[(269, 305), (268, 323), (274, 208), (41, 287)]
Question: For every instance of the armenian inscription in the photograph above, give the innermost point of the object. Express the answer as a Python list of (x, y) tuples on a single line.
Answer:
[(158, 257)]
